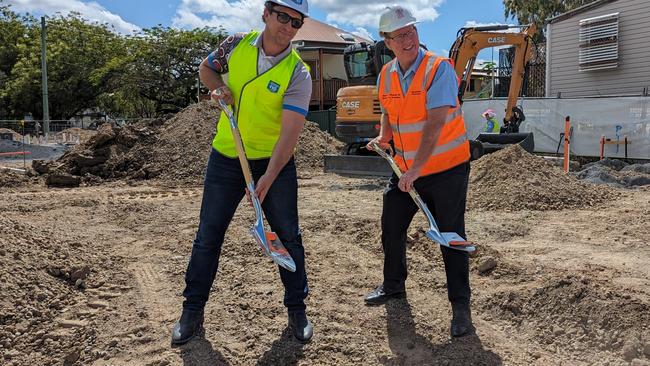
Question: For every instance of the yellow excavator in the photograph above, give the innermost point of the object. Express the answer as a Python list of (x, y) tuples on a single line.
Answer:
[(357, 106)]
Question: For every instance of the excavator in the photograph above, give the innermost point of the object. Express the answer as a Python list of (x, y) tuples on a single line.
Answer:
[(357, 106)]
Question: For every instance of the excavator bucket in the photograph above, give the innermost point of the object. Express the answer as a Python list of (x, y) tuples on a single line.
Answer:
[(496, 141)]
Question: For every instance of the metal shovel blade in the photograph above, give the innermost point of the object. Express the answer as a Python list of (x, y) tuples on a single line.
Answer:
[(273, 248), (268, 240), (449, 240)]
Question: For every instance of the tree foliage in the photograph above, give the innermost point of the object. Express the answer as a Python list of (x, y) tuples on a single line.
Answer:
[(538, 11), (91, 66)]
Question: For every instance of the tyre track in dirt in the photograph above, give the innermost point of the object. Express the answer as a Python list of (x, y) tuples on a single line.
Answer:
[(544, 303)]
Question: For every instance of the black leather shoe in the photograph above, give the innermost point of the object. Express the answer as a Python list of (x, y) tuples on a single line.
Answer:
[(187, 327), (378, 296), (300, 326), (461, 322)]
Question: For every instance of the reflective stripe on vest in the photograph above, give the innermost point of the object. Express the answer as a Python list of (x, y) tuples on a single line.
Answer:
[(258, 101), (407, 115)]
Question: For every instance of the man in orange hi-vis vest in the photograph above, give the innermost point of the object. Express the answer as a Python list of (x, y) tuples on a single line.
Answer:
[(421, 115)]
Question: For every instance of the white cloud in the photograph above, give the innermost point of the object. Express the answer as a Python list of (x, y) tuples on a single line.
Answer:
[(239, 16), (363, 33), (366, 13), (243, 15), (89, 10)]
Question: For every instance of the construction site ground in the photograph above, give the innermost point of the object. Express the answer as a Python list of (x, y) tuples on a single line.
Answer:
[(94, 275)]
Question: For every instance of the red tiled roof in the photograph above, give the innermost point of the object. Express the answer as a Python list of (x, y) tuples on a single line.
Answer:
[(316, 31)]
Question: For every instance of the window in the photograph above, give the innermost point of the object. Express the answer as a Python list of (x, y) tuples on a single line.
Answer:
[(599, 43)]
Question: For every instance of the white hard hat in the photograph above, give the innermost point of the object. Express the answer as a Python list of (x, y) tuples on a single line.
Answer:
[(395, 17), (489, 113), (300, 6)]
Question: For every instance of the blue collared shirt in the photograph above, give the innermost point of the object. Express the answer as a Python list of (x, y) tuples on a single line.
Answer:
[(444, 88)]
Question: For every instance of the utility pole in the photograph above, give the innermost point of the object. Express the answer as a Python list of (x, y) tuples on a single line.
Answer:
[(46, 108)]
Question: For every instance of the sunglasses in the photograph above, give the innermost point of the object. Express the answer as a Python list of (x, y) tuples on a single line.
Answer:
[(284, 18)]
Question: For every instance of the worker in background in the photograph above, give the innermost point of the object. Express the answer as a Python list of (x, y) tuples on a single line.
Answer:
[(421, 114), (491, 123), (270, 87)]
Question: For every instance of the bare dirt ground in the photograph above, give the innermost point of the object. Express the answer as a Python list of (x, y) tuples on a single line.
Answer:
[(93, 275)]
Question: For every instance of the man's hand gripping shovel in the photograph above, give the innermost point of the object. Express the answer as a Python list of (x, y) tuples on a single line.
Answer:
[(450, 240), (267, 240)]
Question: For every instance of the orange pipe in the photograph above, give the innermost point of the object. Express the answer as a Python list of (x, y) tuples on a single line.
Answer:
[(602, 147)]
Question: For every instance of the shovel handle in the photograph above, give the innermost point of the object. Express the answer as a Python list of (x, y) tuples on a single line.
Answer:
[(376, 148), (239, 145)]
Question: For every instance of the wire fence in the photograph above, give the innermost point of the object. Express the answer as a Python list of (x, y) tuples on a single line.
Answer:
[(60, 131)]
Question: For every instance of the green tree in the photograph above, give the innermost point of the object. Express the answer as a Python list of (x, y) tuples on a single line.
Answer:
[(12, 30), (76, 53), (538, 11), (92, 66), (160, 74)]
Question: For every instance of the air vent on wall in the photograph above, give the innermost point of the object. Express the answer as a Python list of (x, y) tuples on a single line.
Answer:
[(599, 43)]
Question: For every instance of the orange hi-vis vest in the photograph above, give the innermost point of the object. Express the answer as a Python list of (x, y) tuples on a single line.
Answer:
[(407, 115)]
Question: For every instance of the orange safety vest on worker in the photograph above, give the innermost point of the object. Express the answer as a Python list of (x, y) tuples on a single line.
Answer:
[(407, 115)]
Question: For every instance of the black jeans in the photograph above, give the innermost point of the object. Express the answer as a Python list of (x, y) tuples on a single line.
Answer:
[(223, 190), (445, 194)]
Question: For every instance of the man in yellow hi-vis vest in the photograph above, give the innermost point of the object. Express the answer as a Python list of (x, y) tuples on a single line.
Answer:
[(421, 115), (269, 88)]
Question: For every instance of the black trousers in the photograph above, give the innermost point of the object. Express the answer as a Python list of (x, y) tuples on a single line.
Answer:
[(445, 194)]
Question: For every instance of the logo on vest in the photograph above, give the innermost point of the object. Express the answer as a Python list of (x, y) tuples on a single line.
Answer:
[(273, 87)]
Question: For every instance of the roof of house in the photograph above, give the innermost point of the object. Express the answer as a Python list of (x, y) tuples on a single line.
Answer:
[(316, 31), (581, 9)]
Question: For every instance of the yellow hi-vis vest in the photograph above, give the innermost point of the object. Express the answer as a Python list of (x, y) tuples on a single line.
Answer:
[(495, 125), (407, 114), (257, 100)]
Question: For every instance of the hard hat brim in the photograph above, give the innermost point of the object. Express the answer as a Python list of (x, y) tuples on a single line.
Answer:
[(392, 29)]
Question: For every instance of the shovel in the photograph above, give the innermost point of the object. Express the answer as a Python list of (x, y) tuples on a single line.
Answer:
[(267, 240), (449, 240)]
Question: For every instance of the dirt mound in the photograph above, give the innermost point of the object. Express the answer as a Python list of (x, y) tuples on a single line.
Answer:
[(9, 179), (314, 143), (181, 151), (174, 151), (569, 313), (615, 173), (16, 135), (44, 295), (110, 154), (512, 179)]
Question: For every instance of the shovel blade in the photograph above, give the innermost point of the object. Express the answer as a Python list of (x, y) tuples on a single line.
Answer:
[(273, 248), (451, 240), (279, 253)]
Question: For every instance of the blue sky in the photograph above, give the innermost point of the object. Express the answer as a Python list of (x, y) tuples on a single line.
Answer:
[(440, 18)]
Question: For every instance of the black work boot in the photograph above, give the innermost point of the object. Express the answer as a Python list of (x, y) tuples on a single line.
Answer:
[(461, 322), (187, 327), (300, 326)]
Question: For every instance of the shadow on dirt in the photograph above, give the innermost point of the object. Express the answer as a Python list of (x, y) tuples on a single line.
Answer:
[(199, 351), (285, 350), (410, 348)]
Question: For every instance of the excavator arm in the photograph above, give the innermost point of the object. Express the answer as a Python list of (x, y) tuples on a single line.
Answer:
[(471, 41)]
